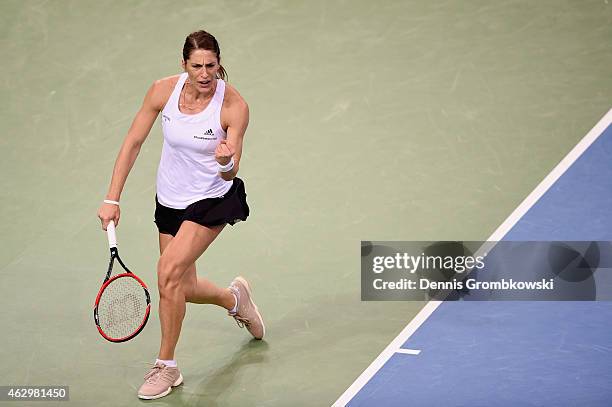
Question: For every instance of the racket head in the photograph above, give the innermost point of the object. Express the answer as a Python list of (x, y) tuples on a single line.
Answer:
[(122, 307)]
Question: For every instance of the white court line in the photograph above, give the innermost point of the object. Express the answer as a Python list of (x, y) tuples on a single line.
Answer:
[(501, 231), (408, 351)]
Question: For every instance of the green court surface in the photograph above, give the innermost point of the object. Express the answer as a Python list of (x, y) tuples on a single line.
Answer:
[(393, 120)]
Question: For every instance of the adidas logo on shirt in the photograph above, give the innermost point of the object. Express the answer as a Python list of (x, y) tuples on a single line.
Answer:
[(208, 135)]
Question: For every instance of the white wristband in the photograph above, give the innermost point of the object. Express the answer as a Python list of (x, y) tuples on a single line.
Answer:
[(227, 167), (108, 201)]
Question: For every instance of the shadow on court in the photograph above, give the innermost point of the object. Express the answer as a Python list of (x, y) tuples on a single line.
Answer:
[(222, 380)]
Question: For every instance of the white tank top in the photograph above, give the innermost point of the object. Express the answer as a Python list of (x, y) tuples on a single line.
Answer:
[(188, 170)]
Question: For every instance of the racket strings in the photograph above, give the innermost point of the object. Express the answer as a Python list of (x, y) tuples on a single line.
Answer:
[(122, 307)]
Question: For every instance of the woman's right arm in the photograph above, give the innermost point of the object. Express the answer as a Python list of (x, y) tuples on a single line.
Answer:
[(153, 103)]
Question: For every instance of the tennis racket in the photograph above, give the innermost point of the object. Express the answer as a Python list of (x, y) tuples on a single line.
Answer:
[(123, 304)]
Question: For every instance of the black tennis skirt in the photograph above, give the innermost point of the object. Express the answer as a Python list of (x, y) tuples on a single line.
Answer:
[(229, 208)]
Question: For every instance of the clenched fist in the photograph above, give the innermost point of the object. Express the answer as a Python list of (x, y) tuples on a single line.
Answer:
[(224, 152)]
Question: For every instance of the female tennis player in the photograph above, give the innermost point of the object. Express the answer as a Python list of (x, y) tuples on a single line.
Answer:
[(203, 121)]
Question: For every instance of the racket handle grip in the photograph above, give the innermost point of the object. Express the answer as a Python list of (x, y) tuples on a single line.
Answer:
[(110, 233)]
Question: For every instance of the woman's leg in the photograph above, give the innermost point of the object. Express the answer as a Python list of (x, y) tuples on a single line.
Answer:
[(200, 290), (178, 256)]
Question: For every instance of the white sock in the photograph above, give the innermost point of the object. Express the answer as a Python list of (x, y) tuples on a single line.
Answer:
[(168, 363), (235, 309)]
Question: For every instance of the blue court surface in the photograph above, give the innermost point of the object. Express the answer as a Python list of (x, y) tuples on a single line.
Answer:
[(514, 353)]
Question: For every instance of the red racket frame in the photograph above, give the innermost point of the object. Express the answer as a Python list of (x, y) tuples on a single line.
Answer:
[(144, 320)]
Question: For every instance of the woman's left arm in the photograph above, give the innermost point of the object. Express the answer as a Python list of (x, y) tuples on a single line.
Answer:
[(237, 119)]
